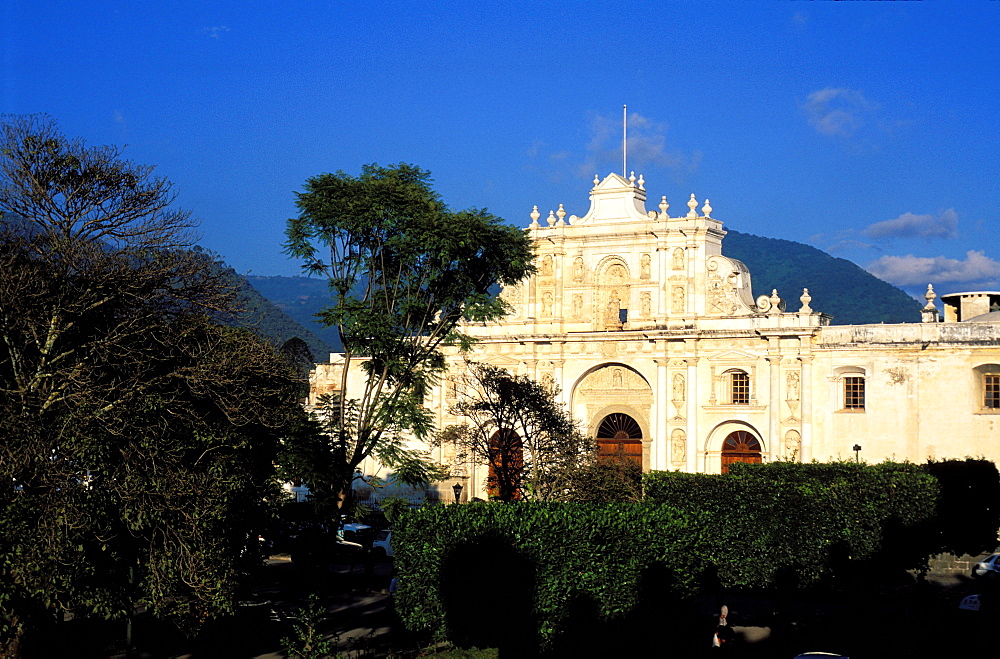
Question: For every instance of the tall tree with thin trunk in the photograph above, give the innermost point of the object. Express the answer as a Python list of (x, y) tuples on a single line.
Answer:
[(404, 272)]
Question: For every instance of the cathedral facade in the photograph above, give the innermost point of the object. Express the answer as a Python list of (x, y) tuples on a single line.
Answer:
[(661, 351)]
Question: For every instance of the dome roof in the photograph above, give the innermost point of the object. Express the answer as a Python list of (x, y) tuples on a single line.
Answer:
[(991, 317)]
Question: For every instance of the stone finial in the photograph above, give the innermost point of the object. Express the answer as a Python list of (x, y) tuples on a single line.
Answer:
[(631, 179), (929, 314), (930, 296), (805, 299), (596, 180), (692, 205), (561, 213), (642, 182), (706, 209), (534, 217), (775, 301), (664, 205), (551, 219)]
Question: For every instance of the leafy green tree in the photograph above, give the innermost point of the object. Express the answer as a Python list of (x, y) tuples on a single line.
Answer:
[(515, 425), (606, 481), (138, 434), (404, 271)]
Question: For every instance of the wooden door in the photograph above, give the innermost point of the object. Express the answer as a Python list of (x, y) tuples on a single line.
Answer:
[(619, 437), (740, 446)]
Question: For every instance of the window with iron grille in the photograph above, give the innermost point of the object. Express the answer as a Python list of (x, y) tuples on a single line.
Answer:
[(739, 388), (854, 393), (991, 391)]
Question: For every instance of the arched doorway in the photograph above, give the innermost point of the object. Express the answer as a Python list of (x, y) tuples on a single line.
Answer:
[(740, 446), (506, 461), (619, 437)]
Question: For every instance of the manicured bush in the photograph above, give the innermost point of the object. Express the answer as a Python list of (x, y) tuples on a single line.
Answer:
[(496, 574), (803, 517), (968, 509)]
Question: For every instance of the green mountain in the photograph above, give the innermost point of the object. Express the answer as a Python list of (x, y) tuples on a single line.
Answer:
[(838, 287), (301, 298)]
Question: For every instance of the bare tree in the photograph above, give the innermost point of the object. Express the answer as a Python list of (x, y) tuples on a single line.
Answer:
[(138, 434), (516, 425)]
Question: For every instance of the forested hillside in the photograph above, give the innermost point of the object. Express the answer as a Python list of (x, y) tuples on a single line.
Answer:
[(301, 298), (838, 287), (270, 321)]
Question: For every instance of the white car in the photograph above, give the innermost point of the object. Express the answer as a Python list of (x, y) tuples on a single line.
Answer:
[(989, 565), (383, 544)]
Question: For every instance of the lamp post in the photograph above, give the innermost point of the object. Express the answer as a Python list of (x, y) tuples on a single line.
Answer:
[(857, 453), (457, 488)]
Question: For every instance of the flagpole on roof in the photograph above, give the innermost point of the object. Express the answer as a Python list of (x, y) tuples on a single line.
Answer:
[(624, 140)]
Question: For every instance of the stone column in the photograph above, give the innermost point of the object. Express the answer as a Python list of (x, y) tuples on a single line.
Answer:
[(694, 455), (661, 412), (805, 393), (557, 376), (558, 305), (774, 409)]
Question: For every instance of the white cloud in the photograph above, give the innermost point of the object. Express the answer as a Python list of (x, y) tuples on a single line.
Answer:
[(909, 225), (216, 31), (647, 146), (837, 111), (912, 270)]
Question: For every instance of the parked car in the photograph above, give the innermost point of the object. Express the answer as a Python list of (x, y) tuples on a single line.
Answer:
[(987, 566), (382, 547), (359, 533)]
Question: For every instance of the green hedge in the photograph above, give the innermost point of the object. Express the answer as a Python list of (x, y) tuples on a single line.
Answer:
[(786, 515), (519, 568)]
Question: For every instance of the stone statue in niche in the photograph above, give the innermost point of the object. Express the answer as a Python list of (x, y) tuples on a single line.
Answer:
[(677, 263), (679, 389), (546, 303), (645, 302), (578, 269), (792, 386), (577, 305), (616, 274), (512, 296), (546, 266), (793, 445), (614, 306), (678, 299), (678, 447), (644, 267), (616, 378)]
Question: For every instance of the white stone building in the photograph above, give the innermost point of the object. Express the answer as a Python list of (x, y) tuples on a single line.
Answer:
[(662, 352)]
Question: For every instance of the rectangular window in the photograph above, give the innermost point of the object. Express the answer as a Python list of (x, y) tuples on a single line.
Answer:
[(854, 393), (991, 391), (740, 388)]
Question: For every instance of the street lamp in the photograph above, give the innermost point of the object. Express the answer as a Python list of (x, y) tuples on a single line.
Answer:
[(857, 452), (457, 488)]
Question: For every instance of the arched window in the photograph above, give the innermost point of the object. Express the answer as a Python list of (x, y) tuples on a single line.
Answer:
[(619, 437), (506, 461), (738, 387), (853, 388), (987, 387), (740, 446)]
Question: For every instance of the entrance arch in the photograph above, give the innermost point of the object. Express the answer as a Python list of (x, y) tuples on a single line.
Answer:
[(740, 446), (619, 437), (506, 462)]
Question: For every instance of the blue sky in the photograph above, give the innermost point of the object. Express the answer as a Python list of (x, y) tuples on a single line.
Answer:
[(869, 130)]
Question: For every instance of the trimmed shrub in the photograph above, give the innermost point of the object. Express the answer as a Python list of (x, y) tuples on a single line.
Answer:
[(494, 575), (968, 508), (810, 518)]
